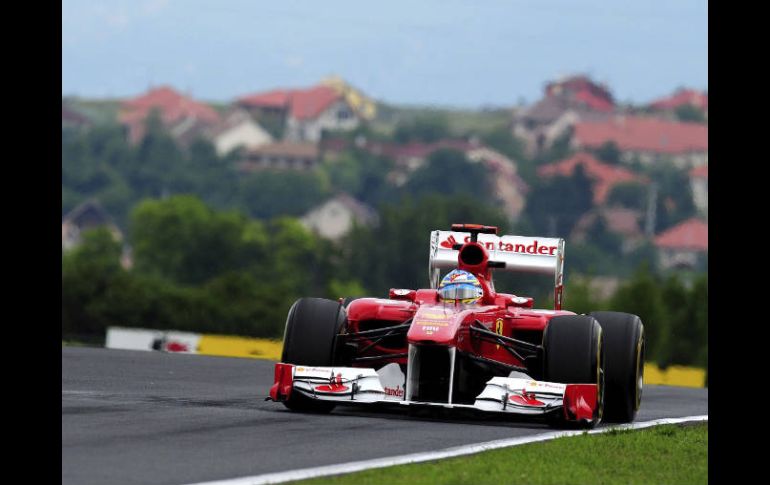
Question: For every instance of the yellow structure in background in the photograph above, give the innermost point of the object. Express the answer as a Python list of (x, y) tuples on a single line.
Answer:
[(255, 348), (674, 376), (361, 104), (226, 346)]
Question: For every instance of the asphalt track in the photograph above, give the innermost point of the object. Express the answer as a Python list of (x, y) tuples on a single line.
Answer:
[(132, 417)]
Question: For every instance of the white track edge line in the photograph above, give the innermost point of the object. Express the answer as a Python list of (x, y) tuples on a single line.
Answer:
[(356, 466)]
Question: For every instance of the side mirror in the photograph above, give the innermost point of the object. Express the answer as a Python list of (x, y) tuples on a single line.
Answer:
[(402, 294), (519, 301)]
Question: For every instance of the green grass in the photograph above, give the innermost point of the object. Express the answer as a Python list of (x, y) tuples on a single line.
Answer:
[(670, 454), (99, 111), (460, 121)]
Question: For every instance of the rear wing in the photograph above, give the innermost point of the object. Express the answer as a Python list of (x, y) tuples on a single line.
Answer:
[(521, 254)]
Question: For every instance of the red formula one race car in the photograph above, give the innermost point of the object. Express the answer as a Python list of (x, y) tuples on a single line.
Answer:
[(460, 344)]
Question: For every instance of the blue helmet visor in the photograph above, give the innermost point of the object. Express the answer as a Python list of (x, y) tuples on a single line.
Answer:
[(460, 292)]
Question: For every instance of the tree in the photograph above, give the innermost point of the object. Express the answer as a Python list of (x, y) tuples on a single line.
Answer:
[(579, 297), (158, 163), (181, 239), (449, 173), (83, 167), (394, 253), (641, 296), (427, 128), (631, 195), (588, 258), (680, 347), (295, 257), (361, 174), (675, 201), (556, 204), (609, 153), (88, 273), (267, 194), (689, 113), (245, 303), (699, 310), (686, 310), (502, 140)]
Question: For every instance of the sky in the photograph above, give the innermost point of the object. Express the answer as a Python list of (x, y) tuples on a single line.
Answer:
[(465, 54)]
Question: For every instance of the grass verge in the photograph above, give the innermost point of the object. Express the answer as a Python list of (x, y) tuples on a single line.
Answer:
[(669, 454)]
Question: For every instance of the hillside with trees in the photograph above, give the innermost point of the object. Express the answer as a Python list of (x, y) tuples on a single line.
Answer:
[(208, 245)]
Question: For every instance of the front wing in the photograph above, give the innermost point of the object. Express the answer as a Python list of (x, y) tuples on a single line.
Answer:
[(510, 395)]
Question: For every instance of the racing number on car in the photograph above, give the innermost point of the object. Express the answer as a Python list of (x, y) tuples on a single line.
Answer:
[(498, 329)]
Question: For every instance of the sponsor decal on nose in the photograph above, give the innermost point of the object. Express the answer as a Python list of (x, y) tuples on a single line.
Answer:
[(526, 399), (335, 385)]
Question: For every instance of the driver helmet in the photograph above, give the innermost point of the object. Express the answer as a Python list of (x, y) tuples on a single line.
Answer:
[(460, 286)]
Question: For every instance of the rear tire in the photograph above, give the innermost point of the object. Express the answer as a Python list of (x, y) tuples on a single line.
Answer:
[(310, 339), (573, 354), (624, 347)]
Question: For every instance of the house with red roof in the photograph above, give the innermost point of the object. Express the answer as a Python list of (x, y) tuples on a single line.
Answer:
[(582, 90), (305, 112), (682, 97), (603, 175), (699, 183), (180, 114), (565, 102), (683, 246), (649, 140)]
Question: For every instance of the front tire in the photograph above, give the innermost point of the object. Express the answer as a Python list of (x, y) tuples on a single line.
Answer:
[(624, 347), (573, 354), (310, 339)]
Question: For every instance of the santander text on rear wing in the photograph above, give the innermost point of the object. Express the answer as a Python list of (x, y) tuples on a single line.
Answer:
[(521, 254)]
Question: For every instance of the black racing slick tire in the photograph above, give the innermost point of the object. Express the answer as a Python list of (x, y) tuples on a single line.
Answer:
[(624, 347), (573, 354), (310, 339)]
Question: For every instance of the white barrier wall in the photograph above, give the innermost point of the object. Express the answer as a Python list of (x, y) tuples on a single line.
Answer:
[(144, 339)]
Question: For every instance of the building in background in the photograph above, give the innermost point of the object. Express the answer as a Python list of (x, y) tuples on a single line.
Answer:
[(603, 175), (682, 97), (280, 156), (304, 113), (182, 116), (684, 246), (648, 140), (335, 217), (565, 102), (362, 105), (238, 129), (88, 215)]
